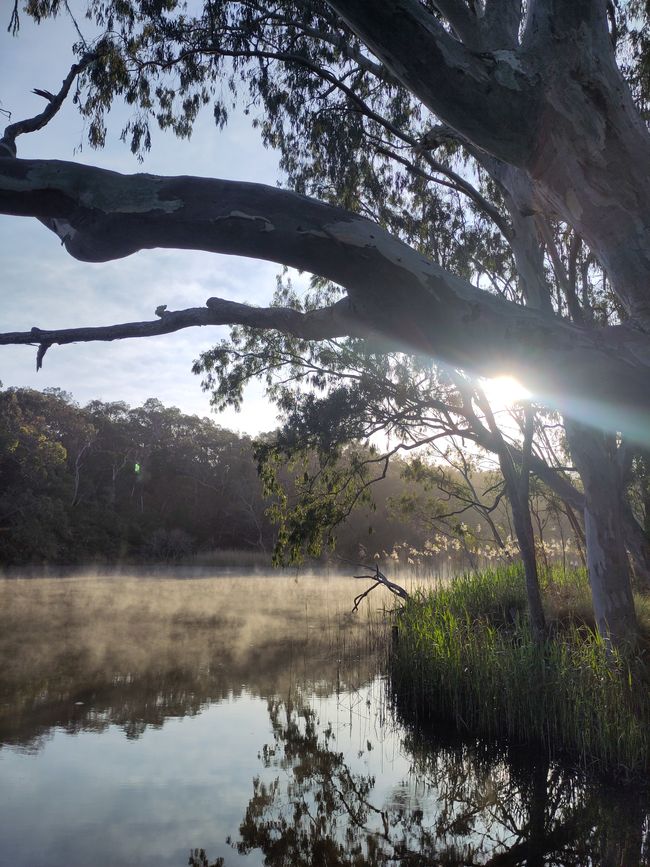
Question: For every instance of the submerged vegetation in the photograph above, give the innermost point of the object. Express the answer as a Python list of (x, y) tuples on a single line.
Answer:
[(465, 652)]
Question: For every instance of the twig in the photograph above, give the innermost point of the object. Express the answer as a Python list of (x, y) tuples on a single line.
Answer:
[(54, 103), (14, 21), (380, 581)]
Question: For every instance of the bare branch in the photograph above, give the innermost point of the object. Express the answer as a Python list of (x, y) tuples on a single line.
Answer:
[(321, 324), (31, 124), (380, 581), (14, 21), (75, 24)]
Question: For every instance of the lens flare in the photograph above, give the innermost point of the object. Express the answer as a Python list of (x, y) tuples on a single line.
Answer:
[(504, 391)]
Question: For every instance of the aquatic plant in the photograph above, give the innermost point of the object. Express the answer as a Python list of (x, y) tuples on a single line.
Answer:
[(465, 653)]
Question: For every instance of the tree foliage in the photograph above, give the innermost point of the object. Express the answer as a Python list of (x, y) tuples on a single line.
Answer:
[(112, 482), (447, 142)]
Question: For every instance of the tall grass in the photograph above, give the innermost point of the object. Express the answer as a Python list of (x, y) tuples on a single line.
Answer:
[(465, 652)]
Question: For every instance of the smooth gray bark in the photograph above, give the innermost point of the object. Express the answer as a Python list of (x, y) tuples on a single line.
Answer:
[(595, 456), (393, 290)]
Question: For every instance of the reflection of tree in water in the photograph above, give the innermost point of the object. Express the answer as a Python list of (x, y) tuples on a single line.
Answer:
[(75, 695), (198, 858), (460, 806), (82, 655)]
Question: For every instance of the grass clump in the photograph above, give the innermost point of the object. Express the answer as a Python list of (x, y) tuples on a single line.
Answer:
[(465, 652)]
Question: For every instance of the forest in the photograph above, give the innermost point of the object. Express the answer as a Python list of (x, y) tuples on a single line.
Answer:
[(109, 483)]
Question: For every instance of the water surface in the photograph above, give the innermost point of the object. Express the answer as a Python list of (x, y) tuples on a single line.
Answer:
[(143, 720)]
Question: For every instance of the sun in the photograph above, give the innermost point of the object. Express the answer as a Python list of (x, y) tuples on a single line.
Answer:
[(504, 391)]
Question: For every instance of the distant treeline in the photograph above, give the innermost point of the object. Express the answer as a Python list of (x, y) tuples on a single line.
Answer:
[(109, 483)]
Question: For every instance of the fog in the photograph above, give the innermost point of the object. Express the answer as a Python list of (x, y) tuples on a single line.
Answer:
[(87, 651)]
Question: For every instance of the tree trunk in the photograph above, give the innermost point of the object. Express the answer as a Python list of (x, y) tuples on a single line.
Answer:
[(594, 454), (578, 532), (525, 540), (517, 481), (638, 547)]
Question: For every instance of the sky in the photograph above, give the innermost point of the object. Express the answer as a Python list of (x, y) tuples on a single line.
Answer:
[(43, 286)]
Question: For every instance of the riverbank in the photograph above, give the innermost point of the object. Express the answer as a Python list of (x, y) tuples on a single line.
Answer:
[(465, 653)]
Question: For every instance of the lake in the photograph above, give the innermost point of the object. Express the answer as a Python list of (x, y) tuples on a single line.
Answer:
[(248, 720)]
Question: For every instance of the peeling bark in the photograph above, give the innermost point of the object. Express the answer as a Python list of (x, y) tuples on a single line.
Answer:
[(101, 215)]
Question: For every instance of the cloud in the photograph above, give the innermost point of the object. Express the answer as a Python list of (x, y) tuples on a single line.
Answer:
[(43, 286)]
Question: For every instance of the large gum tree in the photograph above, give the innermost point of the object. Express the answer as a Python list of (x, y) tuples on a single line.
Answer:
[(470, 178)]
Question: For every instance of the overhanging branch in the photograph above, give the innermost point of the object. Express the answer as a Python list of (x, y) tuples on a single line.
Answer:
[(393, 290), (325, 323)]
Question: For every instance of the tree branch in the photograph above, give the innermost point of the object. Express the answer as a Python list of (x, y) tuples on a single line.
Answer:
[(54, 103), (101, 215), (455, 182), (462, 22), (566, 284), (14, 21), (380, 581), (327, 322), (491, 99)]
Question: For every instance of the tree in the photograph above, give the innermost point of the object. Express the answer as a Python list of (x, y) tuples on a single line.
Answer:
[(107, 482), (364, 394), (35, 487), (532, 113)]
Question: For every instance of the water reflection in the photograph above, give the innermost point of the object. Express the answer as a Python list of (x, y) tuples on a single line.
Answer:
[(85, 654), (247, 716), (461, 804)]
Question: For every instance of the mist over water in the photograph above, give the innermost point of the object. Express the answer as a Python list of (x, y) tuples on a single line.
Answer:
[(251, 716)]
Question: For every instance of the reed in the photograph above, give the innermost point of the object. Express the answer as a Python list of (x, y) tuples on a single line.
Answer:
[(465, 653)]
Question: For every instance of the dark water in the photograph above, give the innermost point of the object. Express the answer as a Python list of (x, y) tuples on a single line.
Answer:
[(141, 721)]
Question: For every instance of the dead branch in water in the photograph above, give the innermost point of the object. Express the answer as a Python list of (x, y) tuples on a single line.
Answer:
[(380, 581)]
